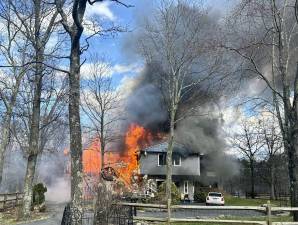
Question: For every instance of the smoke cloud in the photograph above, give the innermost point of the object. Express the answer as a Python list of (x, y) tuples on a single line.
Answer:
[(200, 122), (201, 132), (59, 190), (145, 105), (50, 171)]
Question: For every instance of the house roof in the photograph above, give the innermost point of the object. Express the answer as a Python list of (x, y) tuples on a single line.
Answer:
[(162, 147)]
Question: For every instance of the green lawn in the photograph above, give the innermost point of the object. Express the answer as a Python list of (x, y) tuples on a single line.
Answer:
[(235, 201), (260, 218)]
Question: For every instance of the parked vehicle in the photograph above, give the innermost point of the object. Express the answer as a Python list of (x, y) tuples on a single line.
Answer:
[(215, 198)]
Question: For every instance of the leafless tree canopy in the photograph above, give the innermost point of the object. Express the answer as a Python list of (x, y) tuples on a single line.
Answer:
[(101, 103), (180, 41)]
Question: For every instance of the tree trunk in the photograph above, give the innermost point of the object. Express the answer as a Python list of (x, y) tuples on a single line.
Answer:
[(294, 138), (290, 145), (293, 181), (292, 163), (4, 141), (102, 153), (35, 118), (75, 127), (102, 141), (272, 189), (169, 168), (28, 185), (34, 137), (252, 179)]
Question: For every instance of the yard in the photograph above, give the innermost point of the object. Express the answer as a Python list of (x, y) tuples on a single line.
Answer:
[(9, 217), (218, 214), (285, 218), (235, 201)]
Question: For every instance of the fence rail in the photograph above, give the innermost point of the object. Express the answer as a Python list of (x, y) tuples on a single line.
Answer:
[(10, 200), (266, 209)]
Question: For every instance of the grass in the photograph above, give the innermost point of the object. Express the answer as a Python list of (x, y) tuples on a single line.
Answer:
[(259, 218), (9, 217), (285, 218), (235, 201)]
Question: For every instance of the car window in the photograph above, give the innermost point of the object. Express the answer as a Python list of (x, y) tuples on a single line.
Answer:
[(214, 194)]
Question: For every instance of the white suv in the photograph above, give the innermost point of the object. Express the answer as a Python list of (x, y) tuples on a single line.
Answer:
[(215, 198)]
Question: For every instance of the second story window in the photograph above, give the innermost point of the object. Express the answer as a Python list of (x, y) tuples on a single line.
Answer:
[(176, 160), (161, 159)]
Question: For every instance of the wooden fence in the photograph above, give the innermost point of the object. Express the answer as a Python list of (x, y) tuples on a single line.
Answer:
[(10, 200), (267, 210)]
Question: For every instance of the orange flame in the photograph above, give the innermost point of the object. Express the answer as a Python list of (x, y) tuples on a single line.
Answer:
[(92, 158), (124, 162)]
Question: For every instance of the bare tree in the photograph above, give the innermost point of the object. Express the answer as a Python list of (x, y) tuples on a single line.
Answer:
[(266, 34), (13, 50), (176, 41), (29, 18), (52, 118), (100, 102), (249, 143), (273, 146), (74, 28)]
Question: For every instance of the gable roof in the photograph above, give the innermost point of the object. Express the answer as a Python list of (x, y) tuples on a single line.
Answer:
[(162, 148)]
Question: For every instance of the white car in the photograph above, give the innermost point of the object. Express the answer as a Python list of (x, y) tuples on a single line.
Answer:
[(215, 198)]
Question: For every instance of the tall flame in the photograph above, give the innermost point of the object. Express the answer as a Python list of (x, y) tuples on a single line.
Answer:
[(92, 158), (125, 163)]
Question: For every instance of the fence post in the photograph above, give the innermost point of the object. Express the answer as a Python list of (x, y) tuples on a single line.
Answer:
[(17, 199), (268, 210), (2, 203)]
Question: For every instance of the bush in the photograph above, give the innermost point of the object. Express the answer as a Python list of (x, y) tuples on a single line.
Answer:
[(161, 194), (38, 194), (200, 195)]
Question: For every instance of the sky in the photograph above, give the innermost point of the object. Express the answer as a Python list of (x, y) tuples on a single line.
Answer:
[(124, 66), (112, 47)]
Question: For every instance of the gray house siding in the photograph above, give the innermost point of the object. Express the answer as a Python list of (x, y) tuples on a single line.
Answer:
[(190, 165), (184, 173)]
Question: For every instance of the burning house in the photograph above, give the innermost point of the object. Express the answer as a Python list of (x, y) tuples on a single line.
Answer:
[(186, 167), (124, 163), (144, 156)]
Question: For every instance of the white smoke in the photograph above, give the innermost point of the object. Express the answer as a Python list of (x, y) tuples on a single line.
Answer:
[(59, 190)]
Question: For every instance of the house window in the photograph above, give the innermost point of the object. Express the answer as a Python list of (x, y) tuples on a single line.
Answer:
[(176, 160), (161, 160), (185, 187)]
